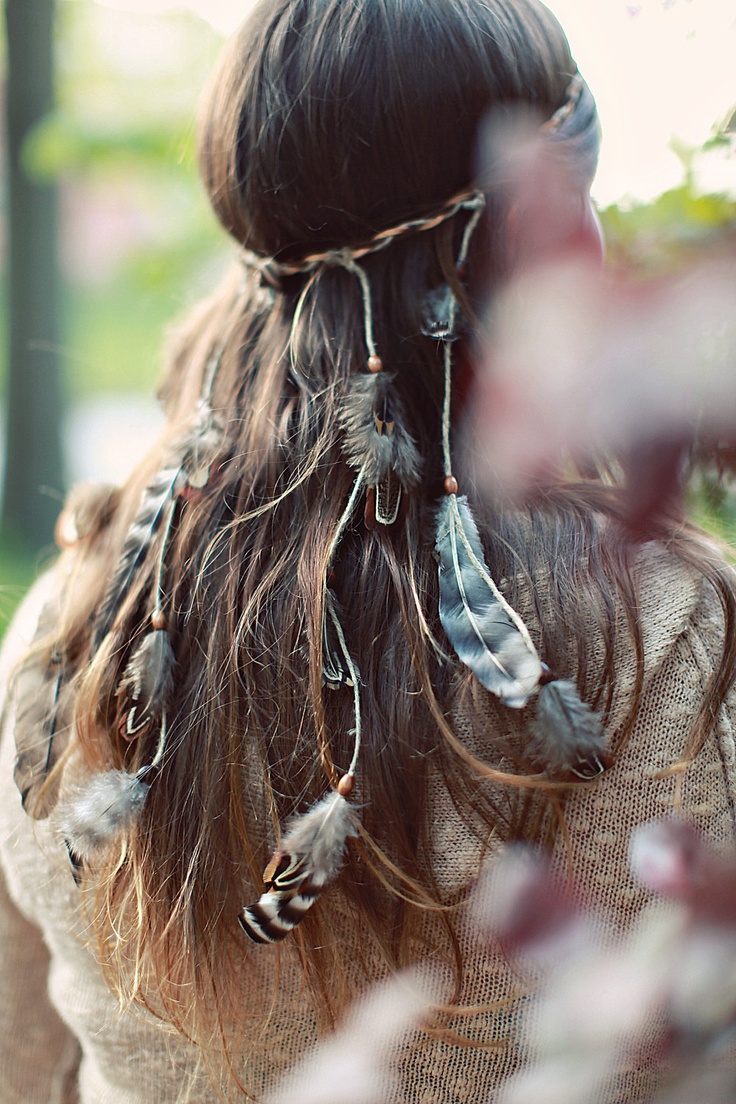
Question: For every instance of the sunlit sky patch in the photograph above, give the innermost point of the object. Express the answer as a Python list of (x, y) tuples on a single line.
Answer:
[(660, 69)]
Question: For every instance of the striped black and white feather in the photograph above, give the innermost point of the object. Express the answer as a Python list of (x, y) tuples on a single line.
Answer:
[(376, 437), (566, 734), (486, 633), (309, 858), (147, 686), (100, 810)]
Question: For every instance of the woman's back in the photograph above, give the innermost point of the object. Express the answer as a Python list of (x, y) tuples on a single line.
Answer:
[(296, 642)]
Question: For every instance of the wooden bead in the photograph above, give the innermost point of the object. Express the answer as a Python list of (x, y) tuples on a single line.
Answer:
[(345, 785), (375, 364), (451, 485), (158, 619)]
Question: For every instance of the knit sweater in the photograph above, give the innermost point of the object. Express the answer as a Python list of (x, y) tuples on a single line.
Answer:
[(64, 1039)]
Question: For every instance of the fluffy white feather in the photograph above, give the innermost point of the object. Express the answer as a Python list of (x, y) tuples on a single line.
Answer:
[(319, 835), (100, 810)]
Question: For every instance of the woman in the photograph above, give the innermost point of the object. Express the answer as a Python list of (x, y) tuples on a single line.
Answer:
[(247, 659)]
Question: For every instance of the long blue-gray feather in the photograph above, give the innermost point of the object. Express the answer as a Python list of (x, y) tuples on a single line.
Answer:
[(486, 633)]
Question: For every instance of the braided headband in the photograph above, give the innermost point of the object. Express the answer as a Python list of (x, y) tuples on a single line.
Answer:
[(486, 634), (340, 258), (557, 126)]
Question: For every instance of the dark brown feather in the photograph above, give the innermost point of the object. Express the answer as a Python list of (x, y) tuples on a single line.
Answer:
[(41, 735)]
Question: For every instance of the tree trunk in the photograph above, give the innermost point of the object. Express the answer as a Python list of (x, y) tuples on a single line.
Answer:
[(34, 471)]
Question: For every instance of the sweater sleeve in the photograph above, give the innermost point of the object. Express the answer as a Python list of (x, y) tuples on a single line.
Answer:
[(38, 1054)]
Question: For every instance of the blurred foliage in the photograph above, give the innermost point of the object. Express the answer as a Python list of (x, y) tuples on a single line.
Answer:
[(660, 238), (682, 223), (139, 241)]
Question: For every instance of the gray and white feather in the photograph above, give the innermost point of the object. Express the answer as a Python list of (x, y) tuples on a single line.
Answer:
[(566, 734), (376, 438), (147, 686), (486, 633), (100, 810)]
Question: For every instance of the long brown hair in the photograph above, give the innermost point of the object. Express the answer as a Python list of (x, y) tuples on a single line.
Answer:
[(325, 123)]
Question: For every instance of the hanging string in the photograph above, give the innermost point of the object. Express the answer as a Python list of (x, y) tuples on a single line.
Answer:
[(476, 203)]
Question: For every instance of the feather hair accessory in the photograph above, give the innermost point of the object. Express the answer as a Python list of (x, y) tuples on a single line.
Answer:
[(487, 634), (377, 443), (111, 801), (308, 859), (186, 473), (40, 738), (567, 735), (99, 811), (311, 852)]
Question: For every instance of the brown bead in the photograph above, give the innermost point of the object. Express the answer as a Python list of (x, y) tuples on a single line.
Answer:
[(345, 785), (450, 485), (158, 619), (375, 364)]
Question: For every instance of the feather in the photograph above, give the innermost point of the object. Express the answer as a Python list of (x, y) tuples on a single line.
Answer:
[(100, 810), (157, 496), (486, 633), (309, 858), (567, 735), (440, 314), (376, 439), (190, 456), (40, 738), (335, 671), (147, 685)]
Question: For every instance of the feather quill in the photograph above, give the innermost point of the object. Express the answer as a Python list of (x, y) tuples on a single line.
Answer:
[(566, 734), (100, 810), (486, 633), (309, 858), (147, 685)]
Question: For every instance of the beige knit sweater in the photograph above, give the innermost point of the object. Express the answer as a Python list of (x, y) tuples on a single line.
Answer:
[(64, 1038)]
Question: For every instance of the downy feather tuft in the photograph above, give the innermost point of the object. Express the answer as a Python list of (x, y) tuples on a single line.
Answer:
[(486, 633), (567, 735), (376, 438), (100, 810), (308, 859)]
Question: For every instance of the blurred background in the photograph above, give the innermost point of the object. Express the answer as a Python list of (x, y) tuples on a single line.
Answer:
[(106, 237)]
